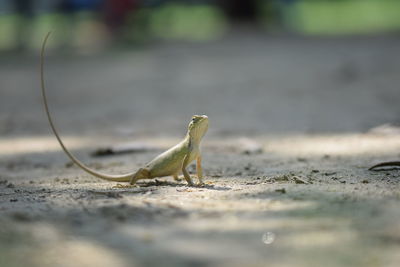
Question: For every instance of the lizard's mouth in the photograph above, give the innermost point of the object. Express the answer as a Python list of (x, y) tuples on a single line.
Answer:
[(204, 120)]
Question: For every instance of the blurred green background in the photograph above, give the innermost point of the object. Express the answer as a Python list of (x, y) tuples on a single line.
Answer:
[(97, 24)]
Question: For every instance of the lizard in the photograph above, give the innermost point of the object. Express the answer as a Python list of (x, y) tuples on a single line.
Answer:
[(169, 163)]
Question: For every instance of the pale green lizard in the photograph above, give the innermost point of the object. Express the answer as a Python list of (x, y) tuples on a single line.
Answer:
[(170, 163)]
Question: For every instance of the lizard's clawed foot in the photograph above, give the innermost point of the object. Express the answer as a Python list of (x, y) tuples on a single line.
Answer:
[(201, 183), (190, 183)]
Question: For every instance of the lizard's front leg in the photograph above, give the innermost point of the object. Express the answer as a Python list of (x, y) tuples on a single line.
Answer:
[(185, 172), (199, 170)]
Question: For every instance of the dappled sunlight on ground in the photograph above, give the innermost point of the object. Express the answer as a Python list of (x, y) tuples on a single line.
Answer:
[(25, 145), (336, 145), (346, 144)]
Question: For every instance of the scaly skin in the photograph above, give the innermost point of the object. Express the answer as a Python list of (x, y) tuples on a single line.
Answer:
[(170, 163)]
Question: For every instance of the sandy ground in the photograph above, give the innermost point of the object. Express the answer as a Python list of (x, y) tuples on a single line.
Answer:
[(306, 200)]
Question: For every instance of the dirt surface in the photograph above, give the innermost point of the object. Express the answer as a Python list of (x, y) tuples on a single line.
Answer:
[(285, 159)]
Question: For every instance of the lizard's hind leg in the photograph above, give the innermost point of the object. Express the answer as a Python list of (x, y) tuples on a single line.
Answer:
[(142, 173)]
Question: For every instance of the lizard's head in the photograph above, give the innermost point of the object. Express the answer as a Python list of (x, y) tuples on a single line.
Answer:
[(198, 126)]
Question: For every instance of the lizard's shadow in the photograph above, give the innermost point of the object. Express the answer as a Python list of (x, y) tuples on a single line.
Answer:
[(215, 187), (177, 184)]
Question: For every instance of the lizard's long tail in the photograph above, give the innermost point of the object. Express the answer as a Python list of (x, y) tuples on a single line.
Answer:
[(115, 178)]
